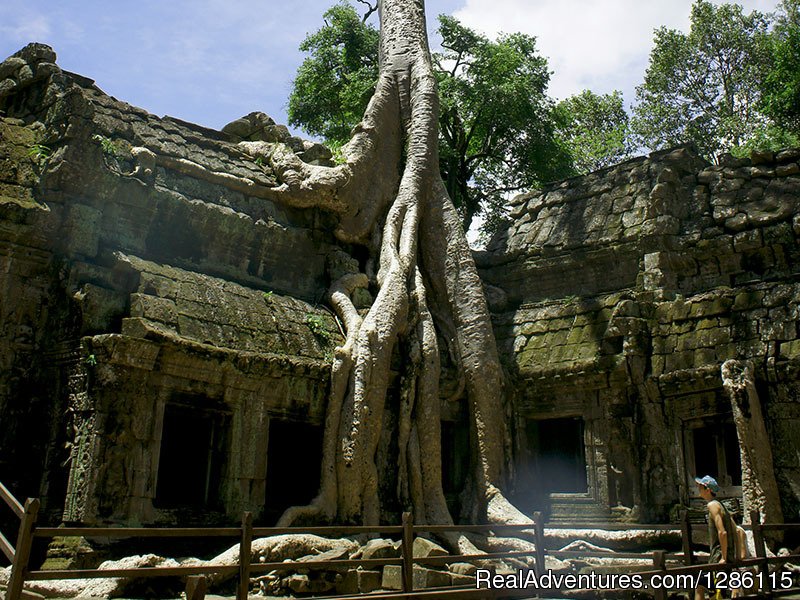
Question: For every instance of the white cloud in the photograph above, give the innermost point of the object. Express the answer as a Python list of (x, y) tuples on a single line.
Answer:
[(21, 28), (598, 44)]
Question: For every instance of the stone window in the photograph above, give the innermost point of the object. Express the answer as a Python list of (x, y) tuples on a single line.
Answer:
[(712, 448), (193, 456)]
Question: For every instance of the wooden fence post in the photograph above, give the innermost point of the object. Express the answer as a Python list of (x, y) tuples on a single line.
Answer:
[(408, 552), (660, 563), (686, 538), (761, 549), (244, 556), (22, 555), (538, 528)]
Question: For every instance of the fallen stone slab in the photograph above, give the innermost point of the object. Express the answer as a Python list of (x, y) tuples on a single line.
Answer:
[(423, 548)]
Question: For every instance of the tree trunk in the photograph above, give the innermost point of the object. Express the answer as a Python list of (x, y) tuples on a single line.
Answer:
[(390, 197)]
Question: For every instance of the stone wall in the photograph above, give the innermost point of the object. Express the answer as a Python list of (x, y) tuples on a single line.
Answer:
[(626, 290), (145, 261)]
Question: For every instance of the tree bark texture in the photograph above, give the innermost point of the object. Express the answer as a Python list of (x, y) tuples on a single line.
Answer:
[(759, 485), (390, 197)]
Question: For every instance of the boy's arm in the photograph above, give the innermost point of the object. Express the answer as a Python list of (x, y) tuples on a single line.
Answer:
[(715, 513)]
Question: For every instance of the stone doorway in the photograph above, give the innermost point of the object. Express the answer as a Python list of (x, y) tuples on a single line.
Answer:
[(555, 463), (193, 456), (294, 460), (559, 454)]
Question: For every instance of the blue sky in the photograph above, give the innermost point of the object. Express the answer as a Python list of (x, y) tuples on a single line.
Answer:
[(212, 61)]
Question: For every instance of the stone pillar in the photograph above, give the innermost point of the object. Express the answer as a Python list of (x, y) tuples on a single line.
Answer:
[(80, 504), (759, 485), (247, 464)]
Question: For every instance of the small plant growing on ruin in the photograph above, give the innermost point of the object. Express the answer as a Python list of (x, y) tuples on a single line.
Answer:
[(40, 154), (259, 161), (90, 361), (317, 326), (107, 144), (337, 156), (268, 296)]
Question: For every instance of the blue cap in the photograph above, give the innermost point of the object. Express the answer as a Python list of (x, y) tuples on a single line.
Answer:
[(709, 482)]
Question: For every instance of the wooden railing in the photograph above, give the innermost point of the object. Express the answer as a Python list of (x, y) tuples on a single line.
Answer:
[(196, 582)]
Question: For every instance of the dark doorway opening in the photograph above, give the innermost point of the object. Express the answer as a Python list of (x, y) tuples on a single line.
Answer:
[(455, 462), (294, 459), (559, 455), (554, 462), (194, 449)]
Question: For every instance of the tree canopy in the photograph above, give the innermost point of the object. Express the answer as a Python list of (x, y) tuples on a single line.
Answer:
[(595, 129), (705, 86), (498, 134), (781, 86), (497, 128), (334, 84)]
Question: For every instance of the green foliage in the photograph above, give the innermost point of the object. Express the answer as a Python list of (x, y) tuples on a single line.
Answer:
[(595, 129), (498, 134), (781, 88), (704, 86), (90, 361), (40, 154), (107, 144), (268, 296), (335, 82), (317, 326)]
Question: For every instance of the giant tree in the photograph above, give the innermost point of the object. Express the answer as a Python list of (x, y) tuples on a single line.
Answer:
[(334, 84), (389, 198)]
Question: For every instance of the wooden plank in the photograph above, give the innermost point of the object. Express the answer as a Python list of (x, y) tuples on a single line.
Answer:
[(596, 554), (344, 562), (659, 562), (440, 560), (12, 502), (22, 554), (538, 519), (141, 532), (408, 553), (325, 530), (686, 538), (761, 549), (245, 548), (141, 572), (7, 548)]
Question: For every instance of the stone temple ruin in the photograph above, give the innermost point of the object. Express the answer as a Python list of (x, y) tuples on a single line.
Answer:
[(164, 354)]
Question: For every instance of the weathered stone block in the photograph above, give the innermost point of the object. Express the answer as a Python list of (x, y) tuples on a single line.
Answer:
[(360, 581), (422, 579), (162, 310), (380, 549), (423, 548)]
